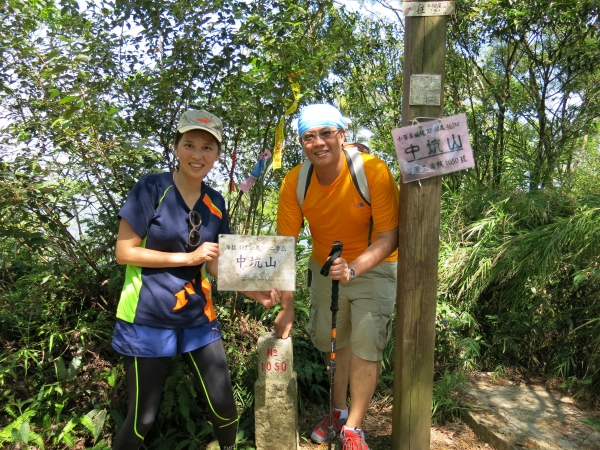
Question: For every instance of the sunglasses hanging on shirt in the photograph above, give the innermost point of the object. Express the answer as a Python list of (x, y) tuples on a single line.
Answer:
[(194, 237)]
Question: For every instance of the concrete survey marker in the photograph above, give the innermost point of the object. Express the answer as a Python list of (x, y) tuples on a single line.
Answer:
[(275, 395), (509, 415)]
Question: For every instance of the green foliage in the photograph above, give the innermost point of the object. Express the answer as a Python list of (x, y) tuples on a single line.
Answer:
[(526, 272), (89, 96), (446, 397), (51, 424), (313, 378), (526, 78), (371, 83), (458, 343), (593, 422)]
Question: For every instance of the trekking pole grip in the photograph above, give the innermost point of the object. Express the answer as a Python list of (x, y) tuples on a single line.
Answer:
[(335, 253)]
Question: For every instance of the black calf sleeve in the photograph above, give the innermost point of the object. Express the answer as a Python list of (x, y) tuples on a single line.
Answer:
[(145, 378), (209, 365)]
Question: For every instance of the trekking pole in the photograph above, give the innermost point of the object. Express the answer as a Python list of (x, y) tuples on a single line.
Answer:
[(336, 252)]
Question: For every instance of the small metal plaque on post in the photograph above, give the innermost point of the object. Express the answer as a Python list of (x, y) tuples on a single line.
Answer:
[(433, 148), (425, 90), (256, 263)]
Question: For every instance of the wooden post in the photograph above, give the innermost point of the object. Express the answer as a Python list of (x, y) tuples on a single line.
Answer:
[(418, 245)]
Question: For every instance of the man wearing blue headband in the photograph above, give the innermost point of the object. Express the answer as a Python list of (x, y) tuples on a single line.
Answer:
[(366, 271)]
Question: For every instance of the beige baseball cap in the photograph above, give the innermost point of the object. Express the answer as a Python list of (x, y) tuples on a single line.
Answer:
[(200, 120)]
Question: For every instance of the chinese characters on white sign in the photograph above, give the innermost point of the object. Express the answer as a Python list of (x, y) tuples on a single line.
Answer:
[(428, 8), (256, 263), (433, 148)]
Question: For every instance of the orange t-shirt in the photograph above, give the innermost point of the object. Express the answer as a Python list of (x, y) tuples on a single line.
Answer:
[(338, 213)]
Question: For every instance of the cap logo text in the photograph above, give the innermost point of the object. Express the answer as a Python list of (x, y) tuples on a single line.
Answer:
[(203, 120)]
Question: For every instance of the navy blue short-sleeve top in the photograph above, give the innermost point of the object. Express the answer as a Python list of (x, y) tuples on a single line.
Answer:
[(174, 297)]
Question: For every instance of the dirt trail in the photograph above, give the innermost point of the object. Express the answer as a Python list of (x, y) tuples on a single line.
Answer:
[(378, 430), (513, 413)]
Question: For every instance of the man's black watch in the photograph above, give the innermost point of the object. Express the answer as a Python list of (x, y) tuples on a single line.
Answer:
[(352, 275)]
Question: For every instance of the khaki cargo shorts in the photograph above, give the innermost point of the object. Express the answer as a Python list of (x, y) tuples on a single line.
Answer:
[(364, 319)]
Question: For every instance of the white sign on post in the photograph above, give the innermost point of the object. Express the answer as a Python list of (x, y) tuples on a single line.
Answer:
[(256, 263), (433, 148), (428, 8)]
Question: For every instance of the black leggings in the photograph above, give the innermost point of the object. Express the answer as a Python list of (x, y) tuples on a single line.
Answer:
[(145, 379)]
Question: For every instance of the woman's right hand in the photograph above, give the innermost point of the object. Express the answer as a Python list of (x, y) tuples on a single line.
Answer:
[(205, 253)]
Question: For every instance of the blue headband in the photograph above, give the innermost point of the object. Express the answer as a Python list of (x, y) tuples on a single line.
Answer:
[(320, 115)]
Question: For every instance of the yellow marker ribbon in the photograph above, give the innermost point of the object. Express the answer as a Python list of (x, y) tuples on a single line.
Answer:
[(279, 136)]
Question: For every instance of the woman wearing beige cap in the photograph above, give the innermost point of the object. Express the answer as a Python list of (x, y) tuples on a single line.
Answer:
[(169, 226)]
